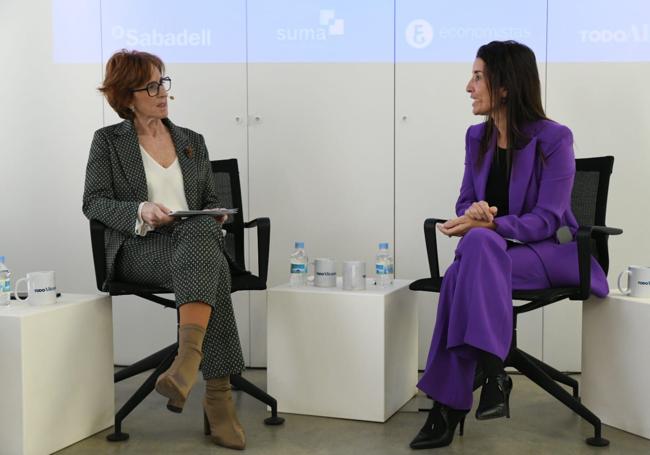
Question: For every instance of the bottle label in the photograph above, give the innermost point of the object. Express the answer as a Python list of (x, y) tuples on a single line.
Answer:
[(382, 268), (298, 268), (5, 285)]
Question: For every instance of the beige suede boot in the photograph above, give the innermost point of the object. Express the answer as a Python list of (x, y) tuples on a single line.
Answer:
[(177, 381), (220, 418)]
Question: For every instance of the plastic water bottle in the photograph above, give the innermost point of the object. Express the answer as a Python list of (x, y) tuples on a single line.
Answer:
[(298, 265), (5, 282), (384, 266)]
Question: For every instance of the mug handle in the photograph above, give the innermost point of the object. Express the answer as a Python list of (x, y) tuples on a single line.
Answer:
[(310, 278), (16, 296), (624, 291)]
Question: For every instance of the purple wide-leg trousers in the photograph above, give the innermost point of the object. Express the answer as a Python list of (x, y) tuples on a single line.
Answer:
[(475, 312), (475, 305)]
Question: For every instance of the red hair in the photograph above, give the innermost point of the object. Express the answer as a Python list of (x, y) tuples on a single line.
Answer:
[(125, 71)]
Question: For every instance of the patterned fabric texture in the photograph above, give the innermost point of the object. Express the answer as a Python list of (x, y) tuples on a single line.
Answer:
[(188, 255), (189, 258)]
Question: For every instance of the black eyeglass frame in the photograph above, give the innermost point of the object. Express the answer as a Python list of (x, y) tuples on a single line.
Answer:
[(155, 86)]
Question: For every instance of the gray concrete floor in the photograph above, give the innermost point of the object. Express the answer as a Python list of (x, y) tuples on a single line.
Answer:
[(539, 425)]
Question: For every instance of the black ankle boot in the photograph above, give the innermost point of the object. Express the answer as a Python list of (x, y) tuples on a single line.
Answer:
[(438, 431), (495, 398), (434, 420)]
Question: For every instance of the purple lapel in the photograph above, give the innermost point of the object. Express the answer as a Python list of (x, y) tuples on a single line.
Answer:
[(522, 169)]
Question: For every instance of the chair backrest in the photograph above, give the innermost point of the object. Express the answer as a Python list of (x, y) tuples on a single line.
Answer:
[(589, 200), (226, 175)]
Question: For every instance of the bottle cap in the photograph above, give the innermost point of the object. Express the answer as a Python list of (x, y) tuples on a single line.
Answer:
[(383, 246), (299, 245)]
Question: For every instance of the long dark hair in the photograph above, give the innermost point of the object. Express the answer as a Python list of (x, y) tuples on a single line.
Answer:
[(511, 66)]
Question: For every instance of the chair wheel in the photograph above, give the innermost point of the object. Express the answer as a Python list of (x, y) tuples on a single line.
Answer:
[(274, 420), (597, 442), (118, 437)]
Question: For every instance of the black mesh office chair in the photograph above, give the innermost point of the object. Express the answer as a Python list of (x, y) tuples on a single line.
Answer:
[(589, 204), (226, 174)]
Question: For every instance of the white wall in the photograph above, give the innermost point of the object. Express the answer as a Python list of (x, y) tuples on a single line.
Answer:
[(321, 161), (326, 135), (47, 119)]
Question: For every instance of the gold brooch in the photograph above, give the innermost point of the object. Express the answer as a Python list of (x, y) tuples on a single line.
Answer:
[(188, 151)]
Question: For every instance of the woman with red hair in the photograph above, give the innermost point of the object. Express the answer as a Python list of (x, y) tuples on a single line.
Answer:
[(138, 171)]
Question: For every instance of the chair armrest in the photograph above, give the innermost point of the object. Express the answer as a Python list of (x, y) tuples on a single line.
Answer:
[(99, 252), (432, 245), (606, 230), (583, 238), (263, 241)]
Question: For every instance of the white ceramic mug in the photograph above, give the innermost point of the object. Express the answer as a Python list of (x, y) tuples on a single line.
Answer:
[(41, 288), (354, 275), (638, 281), (324, 272)]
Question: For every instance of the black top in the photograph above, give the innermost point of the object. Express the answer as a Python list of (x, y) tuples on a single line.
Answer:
[(496, 191)]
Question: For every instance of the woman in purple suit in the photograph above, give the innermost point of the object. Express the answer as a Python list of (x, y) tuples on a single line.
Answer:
[(515, 195)]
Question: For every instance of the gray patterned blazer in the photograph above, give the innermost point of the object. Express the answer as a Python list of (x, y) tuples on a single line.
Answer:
[(116, 183)]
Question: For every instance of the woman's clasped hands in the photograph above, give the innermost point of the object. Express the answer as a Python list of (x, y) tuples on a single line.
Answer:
[(479, 214)]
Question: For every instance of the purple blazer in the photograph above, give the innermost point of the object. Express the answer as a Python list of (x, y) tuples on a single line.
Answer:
[(539, 197)]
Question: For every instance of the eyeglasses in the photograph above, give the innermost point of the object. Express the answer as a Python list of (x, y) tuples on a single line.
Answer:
[(153, 88)]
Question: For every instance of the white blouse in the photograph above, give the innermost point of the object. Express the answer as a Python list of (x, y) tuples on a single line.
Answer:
[(164, 185)]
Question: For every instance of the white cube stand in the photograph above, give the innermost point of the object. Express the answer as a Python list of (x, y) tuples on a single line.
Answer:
[(344, 354), (56, 379), (616, 361)]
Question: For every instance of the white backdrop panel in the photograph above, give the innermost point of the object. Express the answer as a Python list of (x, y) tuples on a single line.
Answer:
[(321, 161)]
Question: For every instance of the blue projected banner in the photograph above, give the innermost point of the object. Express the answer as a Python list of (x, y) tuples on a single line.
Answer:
[(320, 31), (205, 31), (76, 31), (599, 31), (194, 31), (452, 31)]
